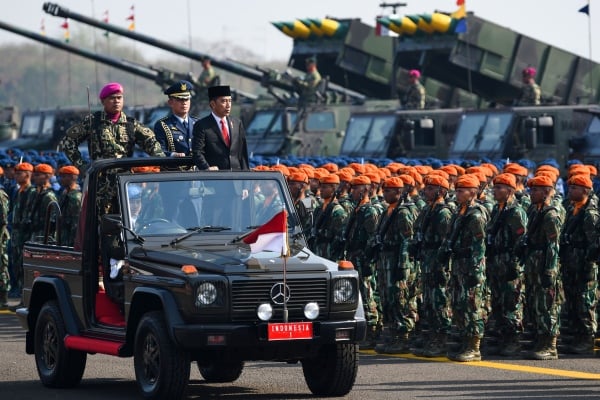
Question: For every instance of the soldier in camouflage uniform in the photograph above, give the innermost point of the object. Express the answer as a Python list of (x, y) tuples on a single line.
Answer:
[(208, 75), (542, 279), (343, 188), (305, 206), (4, 239), (39, 209), (359, 238), (520, 174), (395, 274), (307, 86), (414, 99), (21, 220), (110, 134), (431, 228), (504, 269), (69, 201), (330, 221), (579, 262), (466, 248), (530, 94)]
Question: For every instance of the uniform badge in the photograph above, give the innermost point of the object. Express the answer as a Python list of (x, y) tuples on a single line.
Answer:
[(183, 87), (180, 137)]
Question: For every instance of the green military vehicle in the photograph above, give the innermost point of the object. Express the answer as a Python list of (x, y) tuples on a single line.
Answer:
[(186, 280), (401, 133), (536, 133), (586, 145)]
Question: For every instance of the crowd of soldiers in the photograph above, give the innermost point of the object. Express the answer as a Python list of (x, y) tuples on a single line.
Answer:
[(30, 200), (462, 251)]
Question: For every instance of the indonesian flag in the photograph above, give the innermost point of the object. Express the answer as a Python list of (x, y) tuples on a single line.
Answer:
[(272, 236)]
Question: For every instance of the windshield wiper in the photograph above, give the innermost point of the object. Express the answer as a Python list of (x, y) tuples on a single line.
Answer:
[(197, 229)]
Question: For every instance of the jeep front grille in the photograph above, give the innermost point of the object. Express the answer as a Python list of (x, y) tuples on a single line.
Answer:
[(247, 295)]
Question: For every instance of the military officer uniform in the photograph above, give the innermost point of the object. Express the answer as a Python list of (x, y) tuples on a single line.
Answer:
[(329, 223), (69, 201)]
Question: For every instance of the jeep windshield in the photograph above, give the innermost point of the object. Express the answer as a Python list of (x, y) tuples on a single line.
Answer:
[(219, 206), (481, 134)]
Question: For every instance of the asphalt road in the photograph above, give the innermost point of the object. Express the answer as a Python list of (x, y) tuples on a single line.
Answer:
[(379, 377)]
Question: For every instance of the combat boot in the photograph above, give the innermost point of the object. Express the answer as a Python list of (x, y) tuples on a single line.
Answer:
[(420, 344), (547, 351), (511, 346), (3, 300), (398, 345), (582, 344), (470, 353), (437, 347), (370, 339)]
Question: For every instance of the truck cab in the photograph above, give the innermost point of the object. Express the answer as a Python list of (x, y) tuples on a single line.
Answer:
[(169, 278)]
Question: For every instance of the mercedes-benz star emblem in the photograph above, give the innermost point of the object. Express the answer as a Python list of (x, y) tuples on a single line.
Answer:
[(278, 293)]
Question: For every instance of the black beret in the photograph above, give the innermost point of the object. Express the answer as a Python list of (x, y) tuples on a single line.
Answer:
[(218, 91), (181, 90)]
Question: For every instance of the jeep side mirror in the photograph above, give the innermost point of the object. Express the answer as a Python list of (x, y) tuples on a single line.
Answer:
[(111, 224)]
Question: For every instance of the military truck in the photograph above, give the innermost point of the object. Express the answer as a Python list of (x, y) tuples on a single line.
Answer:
[(586, 145), (174, 282), (536, 133), (401, 133)]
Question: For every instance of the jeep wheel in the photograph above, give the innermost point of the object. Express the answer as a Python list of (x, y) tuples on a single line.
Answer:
[(333, 371), (221, 371), (57, 366), (161, 369)]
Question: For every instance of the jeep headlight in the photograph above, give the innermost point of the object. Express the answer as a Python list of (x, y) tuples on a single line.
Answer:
[(343, 291), (206, 294)]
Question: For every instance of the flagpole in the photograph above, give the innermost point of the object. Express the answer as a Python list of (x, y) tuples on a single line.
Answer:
[(95, 50), (285, 252), (590, 51)]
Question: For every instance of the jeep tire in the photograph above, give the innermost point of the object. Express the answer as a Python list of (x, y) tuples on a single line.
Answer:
[(162, 370), (57, 366), (333, 371)]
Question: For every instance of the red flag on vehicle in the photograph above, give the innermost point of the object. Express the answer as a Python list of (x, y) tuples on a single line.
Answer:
[(271, 236)]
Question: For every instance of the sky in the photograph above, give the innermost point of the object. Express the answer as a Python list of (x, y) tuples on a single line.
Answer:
[(247, 22)]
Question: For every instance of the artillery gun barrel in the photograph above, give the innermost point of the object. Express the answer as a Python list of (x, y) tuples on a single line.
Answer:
[(113, 62)]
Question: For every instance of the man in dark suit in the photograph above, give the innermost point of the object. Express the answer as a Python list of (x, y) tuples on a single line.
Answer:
[(219, 141), (174, 131)]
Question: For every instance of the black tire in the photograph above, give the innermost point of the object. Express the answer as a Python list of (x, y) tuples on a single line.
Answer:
[(222, 371), (333, 371), (161, 369), (57, 366)]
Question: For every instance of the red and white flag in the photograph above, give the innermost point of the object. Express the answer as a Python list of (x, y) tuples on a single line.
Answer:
[(272, 236)]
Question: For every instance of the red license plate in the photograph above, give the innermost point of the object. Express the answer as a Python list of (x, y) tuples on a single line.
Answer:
[(290, 331)]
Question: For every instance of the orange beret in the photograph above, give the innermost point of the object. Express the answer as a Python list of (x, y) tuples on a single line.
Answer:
[(437, 180), (330, 179), (348, 170), (360, 180), (417, 177), (374, 177), (506, 179), (473, 169), (331, 167), (309, 166), (547, 173), (145, 168), (460, 170), (310, 172), (408, 179), (550, 168), (577, 168), (24, 166), (385, 172), (393, 182), (449, 169), (481, 176), (581, 180), (345, 176), (467, 181), (298, 177), (423, 169), (593, 170), (491, 167), (281, 168), (515, 169), (44, 169), (1, 171), (394, 167), (439, 172), (68, 170), (261, 168), (358, 168), (540, 180)]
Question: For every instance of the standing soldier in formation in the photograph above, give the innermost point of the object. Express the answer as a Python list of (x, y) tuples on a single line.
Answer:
[(395, 274), (431, 228), (504, 269), (69, 201), (359, 237), (579, 262), (305, 206), (542, 279), (414, 99), (110, 134), (21, 220), (44, 196), (330, 221), (4, 239), (466, 248), (530, 93), (174, 131)]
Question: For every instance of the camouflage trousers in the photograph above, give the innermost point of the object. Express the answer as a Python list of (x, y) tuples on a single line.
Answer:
[(436, 301), (367, 287), (397, 297), (470, 297), (4, 250), (580, 296), (506, 282), (543, 303), (17, 241)]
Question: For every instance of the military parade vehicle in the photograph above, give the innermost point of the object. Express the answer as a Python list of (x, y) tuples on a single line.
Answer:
[(175, 281)]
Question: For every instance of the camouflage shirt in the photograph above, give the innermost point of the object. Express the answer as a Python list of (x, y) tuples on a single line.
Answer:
[(330, 221), (308, 87), (110, 140), (505, 229), (415, 97), (70, 207), (206, 76), (580, 236), (432, 227), (39, 211), (530, 95)]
